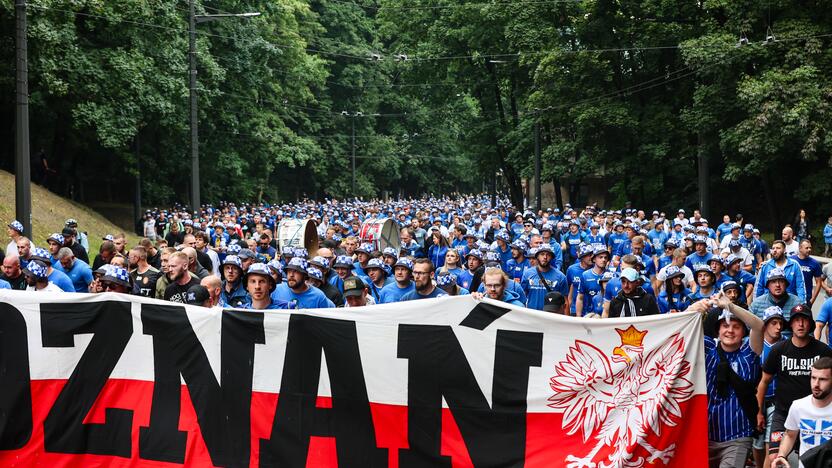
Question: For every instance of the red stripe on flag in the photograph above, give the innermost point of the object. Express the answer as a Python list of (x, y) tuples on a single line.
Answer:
[(547, 444)]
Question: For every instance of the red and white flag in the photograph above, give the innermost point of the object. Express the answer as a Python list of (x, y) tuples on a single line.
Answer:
[(95, 380)]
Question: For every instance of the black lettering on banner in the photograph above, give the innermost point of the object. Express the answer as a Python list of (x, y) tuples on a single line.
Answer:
[(223, 409), (297, 418), (15, 385), (64, 430), (494, 436)]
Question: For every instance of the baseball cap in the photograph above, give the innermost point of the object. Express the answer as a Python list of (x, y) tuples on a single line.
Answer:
[(553, 301), (630, 274), (197, 295), (353, 286), (802, 310)]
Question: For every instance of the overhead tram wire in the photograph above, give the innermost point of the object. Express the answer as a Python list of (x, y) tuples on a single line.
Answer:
[(458, 6), (368, 57)]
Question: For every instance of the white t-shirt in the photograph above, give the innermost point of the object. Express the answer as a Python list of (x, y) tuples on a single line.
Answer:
[(814, 425), (50, 287), (662, 274), (793, 248)]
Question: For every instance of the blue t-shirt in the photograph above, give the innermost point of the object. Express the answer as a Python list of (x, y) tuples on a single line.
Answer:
[(80, 275), (664, 261), (724, 229), (515, 270), (573, 276), (414, 295), (393, 293), (572, 242), (825, 316), (657, 239), (312, 298), (590, 287), (696, 259), (811, 269), (61, 280), (770, 389), (681, 301), (5, 284), (535, 290)]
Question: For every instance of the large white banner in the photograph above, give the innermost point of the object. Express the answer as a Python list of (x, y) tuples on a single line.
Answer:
[(120, 380)]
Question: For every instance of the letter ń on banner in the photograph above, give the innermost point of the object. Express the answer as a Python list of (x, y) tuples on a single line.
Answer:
[(123, 381)]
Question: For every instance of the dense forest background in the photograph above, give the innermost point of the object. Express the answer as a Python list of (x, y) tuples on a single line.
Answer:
[(443, 96)]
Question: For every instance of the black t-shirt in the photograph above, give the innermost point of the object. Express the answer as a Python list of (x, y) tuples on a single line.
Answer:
[(175, 238), (156, 260), (79, 252), (18, 284), (144, 284), (793, 368), (179, 293), (204, 260)]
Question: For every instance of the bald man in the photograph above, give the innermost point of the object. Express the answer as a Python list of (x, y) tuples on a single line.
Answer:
[(13, 274), (214, 286)]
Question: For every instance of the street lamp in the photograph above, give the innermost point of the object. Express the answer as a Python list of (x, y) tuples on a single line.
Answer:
[(352, 116), (193, 20)]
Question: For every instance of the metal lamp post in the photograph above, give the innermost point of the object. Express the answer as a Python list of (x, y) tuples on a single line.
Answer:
[(193, 20)]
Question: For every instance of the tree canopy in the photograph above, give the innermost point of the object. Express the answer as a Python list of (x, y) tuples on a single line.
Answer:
[(441, 96)]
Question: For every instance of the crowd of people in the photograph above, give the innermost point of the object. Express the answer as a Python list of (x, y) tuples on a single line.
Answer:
[(588, 262)]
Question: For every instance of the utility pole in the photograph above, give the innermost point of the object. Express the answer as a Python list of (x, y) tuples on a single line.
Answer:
[(195, 203), (537, 168), (353, 155), (137, 195), (22, 171)]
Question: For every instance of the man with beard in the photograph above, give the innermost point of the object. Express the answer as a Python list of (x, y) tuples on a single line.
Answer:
[(423, 279), (13, 274), (261, 286), (495, 281), (234, 292), (632, 300), (518, 262), (543, 278), (69, 241), (777, 294), (809, 417), (590, 284), (790, 361), (180, 278), (296, 292), (60, 278), (143, 275), (402, 273), (790, 269), (106, 252)]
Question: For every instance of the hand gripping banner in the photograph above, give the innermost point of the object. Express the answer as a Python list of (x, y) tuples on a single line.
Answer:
[(113, 380)]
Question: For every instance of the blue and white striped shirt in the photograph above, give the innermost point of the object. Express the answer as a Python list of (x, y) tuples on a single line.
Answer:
[(726, 420)]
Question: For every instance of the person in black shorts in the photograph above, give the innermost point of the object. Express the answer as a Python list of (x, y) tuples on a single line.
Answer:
[(791, 362)]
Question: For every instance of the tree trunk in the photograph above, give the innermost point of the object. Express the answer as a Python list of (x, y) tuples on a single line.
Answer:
[(512, 178)]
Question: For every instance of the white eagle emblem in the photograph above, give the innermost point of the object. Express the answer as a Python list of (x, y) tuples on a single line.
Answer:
[(618, 409)]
